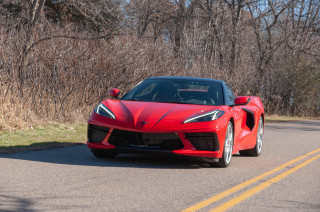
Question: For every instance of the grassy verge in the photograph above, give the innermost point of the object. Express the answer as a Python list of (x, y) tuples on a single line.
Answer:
[(276, 118), (57, 135)]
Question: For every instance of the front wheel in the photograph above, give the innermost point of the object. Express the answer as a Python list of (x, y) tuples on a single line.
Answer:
[(256, 151), (228, 148)]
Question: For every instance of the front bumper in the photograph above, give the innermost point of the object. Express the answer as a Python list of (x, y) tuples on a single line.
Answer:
[(197, 143)]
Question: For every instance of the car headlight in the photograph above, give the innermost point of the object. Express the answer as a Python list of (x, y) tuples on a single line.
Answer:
[(102, 110), (210, 116)]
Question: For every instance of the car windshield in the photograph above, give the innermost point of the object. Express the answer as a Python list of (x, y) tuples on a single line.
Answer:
[(199, 92)]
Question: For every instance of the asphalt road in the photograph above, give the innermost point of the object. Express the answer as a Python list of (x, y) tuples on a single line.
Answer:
[(72, 179)]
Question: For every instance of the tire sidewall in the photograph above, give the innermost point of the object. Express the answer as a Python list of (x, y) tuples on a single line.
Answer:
[(223, 161), (256, 147)]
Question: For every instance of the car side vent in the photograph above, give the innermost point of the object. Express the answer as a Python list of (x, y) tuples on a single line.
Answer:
[(250, 118)]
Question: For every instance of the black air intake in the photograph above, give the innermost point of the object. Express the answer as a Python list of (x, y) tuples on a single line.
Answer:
[(161, 141), (207, 141), (96, 133)]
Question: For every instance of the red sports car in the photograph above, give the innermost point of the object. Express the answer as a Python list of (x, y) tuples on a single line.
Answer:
[(181, 115)]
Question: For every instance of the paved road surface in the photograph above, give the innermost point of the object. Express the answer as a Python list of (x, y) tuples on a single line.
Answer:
[(71, 179)]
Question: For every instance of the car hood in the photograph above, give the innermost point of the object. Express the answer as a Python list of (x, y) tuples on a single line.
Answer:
[(137, 114)]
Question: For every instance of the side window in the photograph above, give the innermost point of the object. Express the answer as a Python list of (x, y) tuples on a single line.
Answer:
[(230, 97)]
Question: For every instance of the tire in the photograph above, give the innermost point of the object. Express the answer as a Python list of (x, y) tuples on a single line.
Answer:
[(256, 151), (227, 149), (103, 153)]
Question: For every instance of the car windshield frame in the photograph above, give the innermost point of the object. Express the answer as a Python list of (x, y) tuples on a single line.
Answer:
[(178, 91)]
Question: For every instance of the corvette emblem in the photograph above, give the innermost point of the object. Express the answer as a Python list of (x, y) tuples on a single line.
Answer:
[(145, 122)]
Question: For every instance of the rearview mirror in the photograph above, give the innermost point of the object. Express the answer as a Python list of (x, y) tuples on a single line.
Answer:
[(242, 100), (114, 92)]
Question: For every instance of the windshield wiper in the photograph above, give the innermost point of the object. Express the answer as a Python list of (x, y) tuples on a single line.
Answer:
[(175, 102), (132, 99)]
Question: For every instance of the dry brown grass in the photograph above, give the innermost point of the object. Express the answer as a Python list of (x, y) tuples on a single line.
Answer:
[(279, 118), (15, 116)]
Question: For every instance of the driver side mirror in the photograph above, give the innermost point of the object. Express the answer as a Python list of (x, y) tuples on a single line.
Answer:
[(114, 92), (242, 100)]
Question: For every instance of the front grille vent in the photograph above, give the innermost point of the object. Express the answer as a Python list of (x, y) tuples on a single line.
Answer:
[(207, 141), (96, 133), (162, 141)]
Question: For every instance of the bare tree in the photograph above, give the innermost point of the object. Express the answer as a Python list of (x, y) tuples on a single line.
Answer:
[(62, 56), (150, 18)]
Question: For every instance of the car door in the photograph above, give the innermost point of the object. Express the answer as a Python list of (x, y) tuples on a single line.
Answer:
[(237, 112)]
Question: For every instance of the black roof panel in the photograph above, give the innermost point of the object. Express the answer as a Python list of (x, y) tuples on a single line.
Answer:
[(185, 78)]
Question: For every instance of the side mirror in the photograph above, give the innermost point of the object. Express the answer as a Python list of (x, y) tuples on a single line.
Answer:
[(242, 100), (113, 92)]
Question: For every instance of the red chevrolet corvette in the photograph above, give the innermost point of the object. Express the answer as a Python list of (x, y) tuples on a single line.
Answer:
[(181, 115)]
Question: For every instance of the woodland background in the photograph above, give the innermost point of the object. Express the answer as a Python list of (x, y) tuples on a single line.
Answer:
[(58, 58)]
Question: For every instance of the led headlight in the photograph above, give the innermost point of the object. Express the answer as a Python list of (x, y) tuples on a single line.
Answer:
[(102, 110), (210, 116)]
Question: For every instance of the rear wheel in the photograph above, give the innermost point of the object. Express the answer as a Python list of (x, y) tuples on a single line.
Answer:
[(256, 151), (228, 148), (104, 153)]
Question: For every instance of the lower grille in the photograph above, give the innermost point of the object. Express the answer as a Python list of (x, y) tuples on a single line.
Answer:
[(204, 141), (163, 141), (96, 134)]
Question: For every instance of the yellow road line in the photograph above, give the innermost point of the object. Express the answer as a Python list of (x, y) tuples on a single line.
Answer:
[(244, 184), (262, 186)]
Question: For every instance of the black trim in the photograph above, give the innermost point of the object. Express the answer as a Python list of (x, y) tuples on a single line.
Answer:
[(184, 78), (156, 141), (250, 121), (142, 150), (96, 133), (206, 141)]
